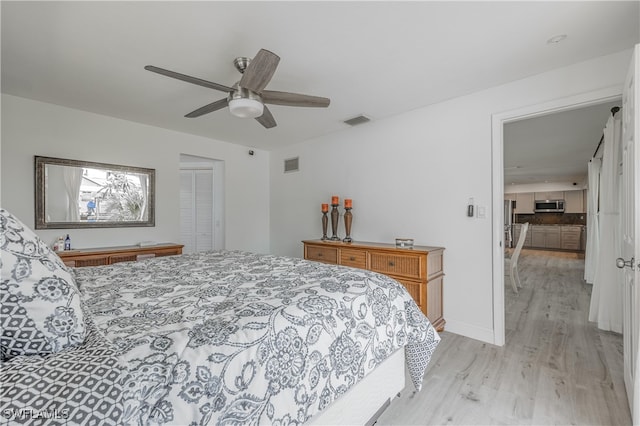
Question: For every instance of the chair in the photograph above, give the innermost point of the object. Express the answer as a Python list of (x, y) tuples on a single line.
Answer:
[(512, 262)]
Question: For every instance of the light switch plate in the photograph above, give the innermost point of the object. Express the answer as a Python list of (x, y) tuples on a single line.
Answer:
[(482, 212)]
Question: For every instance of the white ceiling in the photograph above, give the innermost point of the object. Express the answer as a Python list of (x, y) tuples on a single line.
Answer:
[(555, 147), (374, 58)]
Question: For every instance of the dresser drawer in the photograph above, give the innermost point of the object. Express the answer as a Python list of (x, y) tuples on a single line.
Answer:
[(354, 258), (123, 258), (415, 289), (90, 261), (404, 265), (322, 254)]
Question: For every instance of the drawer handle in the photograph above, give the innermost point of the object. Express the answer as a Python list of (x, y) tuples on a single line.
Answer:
[(392, 264), (352, 258), (319, 254)]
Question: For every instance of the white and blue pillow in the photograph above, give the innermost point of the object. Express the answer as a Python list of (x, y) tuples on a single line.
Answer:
[(40, 307)]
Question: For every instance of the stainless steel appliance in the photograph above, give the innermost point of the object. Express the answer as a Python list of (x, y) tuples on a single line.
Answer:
[(549, 206), (509, 218)]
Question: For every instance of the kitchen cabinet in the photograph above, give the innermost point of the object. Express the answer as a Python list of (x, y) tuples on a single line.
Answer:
[(516, 235), (553, 238), (574, 202), (509, 196), (546, 237), (570, 237), (549, 195), (524, 203), (537, 237), (565, 237)]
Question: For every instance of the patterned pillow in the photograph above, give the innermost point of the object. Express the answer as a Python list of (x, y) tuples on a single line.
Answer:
[(40, 310)]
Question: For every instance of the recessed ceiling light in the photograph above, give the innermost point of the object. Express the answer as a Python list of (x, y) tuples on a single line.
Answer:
[(557, 39)]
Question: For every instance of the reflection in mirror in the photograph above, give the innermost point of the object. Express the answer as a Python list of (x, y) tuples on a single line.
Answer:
[(82, 194)]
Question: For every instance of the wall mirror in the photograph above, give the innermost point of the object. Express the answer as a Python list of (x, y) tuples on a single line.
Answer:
[(84, 194)]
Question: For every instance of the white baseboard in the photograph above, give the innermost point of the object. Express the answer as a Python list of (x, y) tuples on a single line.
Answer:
[(471, 331)]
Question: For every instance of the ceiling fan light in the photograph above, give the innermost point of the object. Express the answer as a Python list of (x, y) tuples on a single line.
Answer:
[(246, 108)]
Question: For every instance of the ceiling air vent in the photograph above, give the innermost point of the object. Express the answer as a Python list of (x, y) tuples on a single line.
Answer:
[(291, 165), (361, 119)]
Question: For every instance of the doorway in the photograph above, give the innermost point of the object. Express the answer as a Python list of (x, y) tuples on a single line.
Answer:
[(545, 158), (498, 123)]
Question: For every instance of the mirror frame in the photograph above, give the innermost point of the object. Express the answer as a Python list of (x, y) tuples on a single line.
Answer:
[(40, 196)]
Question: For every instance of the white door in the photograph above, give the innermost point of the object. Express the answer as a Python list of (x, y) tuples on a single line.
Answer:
[(196, 210), (630, 223)]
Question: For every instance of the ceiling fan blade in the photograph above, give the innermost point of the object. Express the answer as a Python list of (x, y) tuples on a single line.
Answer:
[(260, 71), (294, 99), (213, 106), (266, 119), (189, 79)]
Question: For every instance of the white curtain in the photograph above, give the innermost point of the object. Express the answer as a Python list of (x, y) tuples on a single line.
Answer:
[(606, 297), (144, 185), (593, 240), (72, 182)]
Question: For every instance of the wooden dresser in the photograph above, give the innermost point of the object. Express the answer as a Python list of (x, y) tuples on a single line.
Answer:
[(110, 255), (419, 269)]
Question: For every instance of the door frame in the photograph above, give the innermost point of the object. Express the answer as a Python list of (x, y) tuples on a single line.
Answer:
[(498, 121), (190, 162)]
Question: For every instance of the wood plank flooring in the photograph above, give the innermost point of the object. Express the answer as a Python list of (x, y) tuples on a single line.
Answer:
[(556, 368)]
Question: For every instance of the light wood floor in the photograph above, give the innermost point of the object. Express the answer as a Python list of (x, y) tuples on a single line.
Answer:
[(555, 368)]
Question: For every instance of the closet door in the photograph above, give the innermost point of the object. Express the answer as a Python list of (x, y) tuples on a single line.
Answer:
[(196, 210)]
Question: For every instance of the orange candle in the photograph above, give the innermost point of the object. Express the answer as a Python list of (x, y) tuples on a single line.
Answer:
[(325, 208), (335, 200), (348, 203)]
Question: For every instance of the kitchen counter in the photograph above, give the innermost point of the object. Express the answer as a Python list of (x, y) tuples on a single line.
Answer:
[(554, 236)]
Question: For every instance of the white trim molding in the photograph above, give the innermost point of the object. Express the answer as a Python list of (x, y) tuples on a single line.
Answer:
[(498, 120)]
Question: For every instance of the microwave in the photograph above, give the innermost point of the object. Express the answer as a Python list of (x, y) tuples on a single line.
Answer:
[(549, 206)]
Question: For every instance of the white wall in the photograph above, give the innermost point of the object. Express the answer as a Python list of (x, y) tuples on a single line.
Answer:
[(34, 128), (412, 175)]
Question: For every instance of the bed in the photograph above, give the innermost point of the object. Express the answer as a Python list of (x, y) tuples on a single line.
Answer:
[(223, 337)]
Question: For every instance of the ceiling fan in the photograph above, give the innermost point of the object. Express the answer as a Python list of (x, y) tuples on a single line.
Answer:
[(247, 98)]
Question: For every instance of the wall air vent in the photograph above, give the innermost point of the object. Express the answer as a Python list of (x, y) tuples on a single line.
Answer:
[(361, 119), (291, 164)]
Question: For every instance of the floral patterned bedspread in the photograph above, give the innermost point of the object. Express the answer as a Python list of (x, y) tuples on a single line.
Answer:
[(232, 337)]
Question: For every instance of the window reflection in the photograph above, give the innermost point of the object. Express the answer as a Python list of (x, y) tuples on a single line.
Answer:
[(71, 193)]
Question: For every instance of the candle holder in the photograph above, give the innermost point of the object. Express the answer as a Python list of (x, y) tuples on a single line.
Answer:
[(334, 222), (348, 217), (325, 222)]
